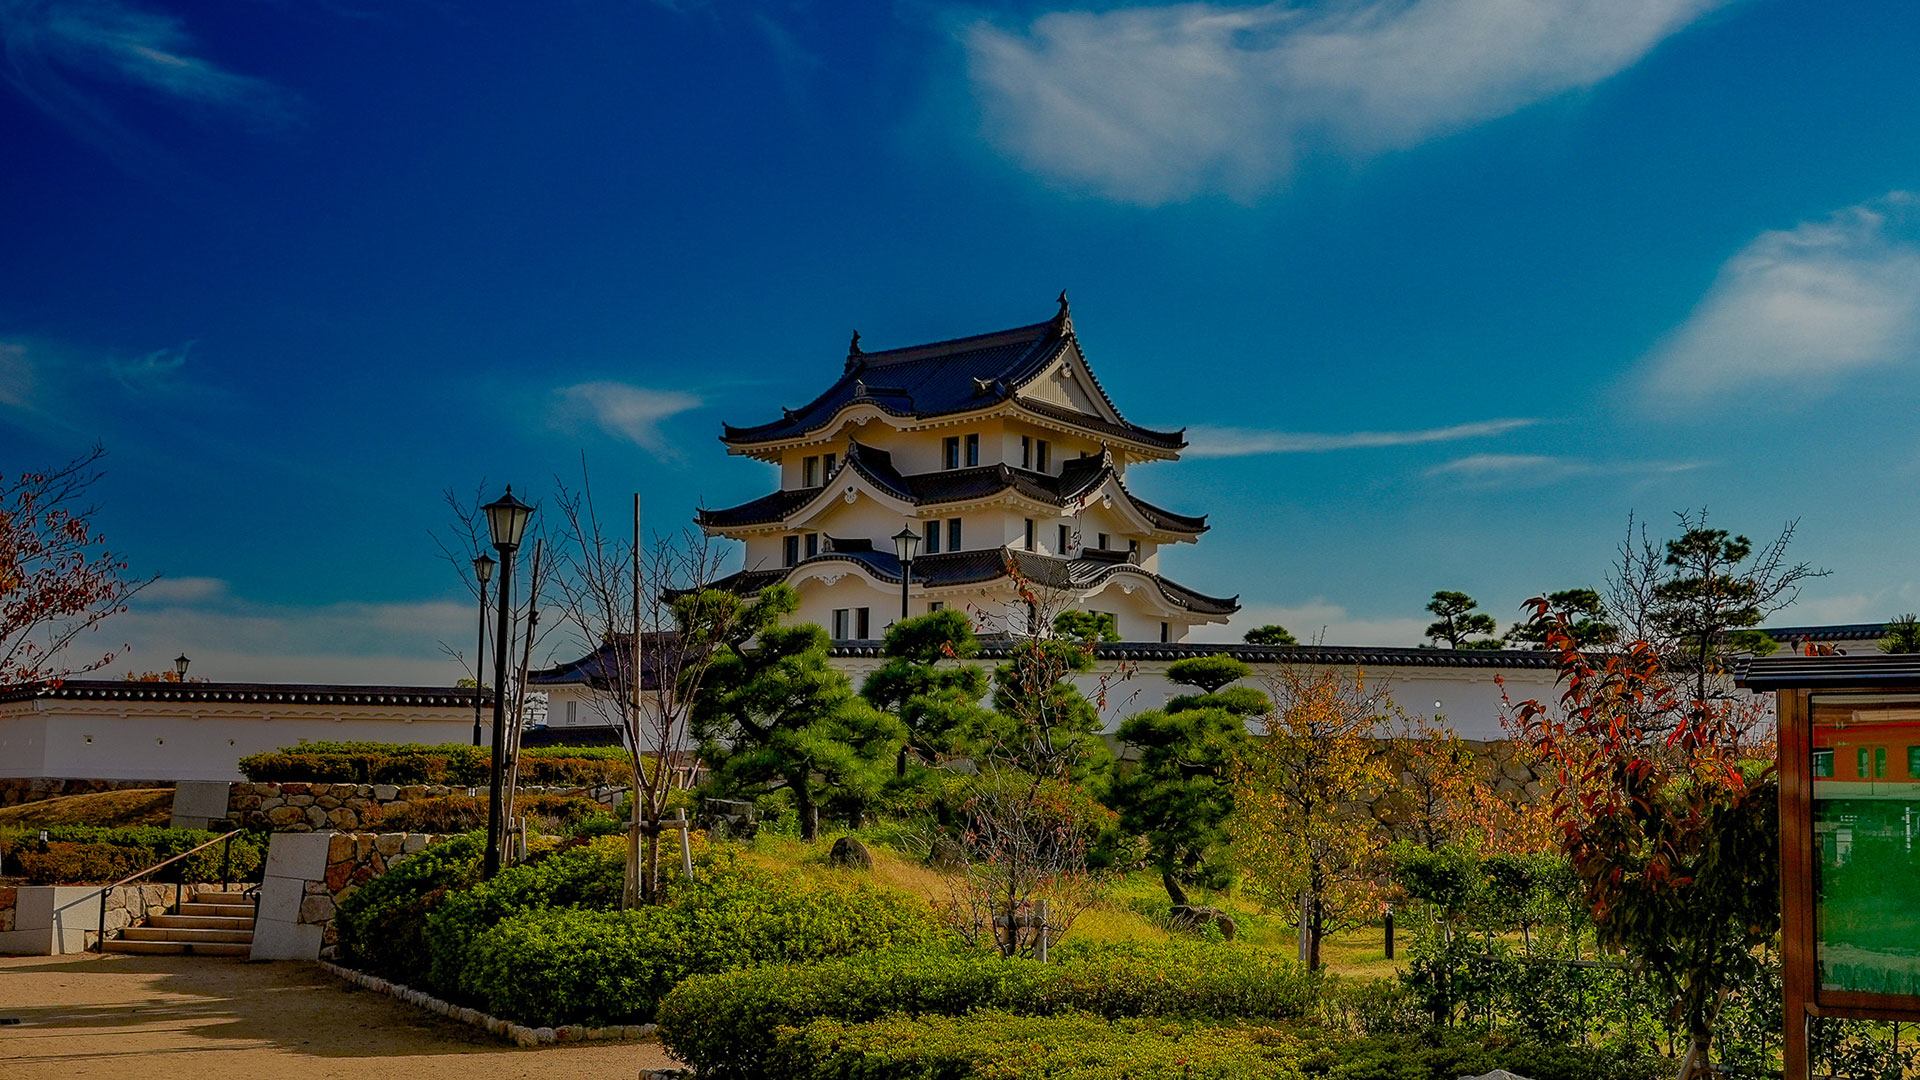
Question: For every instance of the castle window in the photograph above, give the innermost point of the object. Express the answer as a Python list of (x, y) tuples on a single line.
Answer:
[(1133, 547), (933, 606), (930, 538), (826, 466), (1026, 451), (1166, 632), (1029, 539), (862, 624), (840, 618), (953, 534), (792, 550), (813, 544), (1103, 541), (973, 450), (1066, 539), (950, 452), (1040, 456), (810, 471)]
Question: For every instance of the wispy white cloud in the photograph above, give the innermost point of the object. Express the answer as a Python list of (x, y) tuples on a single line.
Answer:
[(57, 53), (633, 413), (16, 375), (152, 371), (1159, 103), (184, 590), (1538, 470), (1208, 442), (1800, 308)]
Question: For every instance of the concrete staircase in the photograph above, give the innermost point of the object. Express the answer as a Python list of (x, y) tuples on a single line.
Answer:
[(212, 923)]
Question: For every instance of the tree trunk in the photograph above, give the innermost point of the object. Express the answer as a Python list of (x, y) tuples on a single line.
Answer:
[(633, 891), (1317, 930), (900, 764), (809, 814), (1174, 891), (650, 874), (1693, 1063)]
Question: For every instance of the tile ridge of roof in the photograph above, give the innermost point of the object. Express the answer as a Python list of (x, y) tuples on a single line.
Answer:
[(1030, 333)]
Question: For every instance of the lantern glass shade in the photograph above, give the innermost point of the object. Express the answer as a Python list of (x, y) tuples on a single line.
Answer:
[(180, 665), (483, 569), (906, 545), (507, 520)]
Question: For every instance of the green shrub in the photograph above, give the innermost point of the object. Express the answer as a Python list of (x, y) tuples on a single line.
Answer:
[(464, 813), (557, 966), (95, 855), (382, 924), (452, 764), (1002, 1046), (724, 1025), (1450, 1055), (578, 876)]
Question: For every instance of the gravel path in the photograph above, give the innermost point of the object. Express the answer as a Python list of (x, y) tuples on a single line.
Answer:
[(160, 1017)]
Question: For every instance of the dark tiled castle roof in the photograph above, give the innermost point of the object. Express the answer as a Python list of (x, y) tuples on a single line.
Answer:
[(992, 564), (1077, 477), (946, 377)]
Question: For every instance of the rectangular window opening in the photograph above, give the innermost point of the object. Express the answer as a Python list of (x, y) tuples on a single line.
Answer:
[(1103, 541), (826, 466), (1066, 540), (840, 623), (1029, 536), (813, 544), (1026, 451), (953, 534), (810, 472), (1166, 632), (863, 624), (950, 452), (973, 450), (930, 538), (934, 605), (1040, 456), (792, 553)]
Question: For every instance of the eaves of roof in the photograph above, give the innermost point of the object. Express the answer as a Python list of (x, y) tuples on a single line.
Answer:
[(260, 693)]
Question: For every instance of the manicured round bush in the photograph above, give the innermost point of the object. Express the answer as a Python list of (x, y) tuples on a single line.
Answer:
[(382, 924), (576, 875)]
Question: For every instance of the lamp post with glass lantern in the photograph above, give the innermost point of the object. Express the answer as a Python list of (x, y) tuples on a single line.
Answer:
[(506, 523), (906, 545), (483, 573), (180, 667)]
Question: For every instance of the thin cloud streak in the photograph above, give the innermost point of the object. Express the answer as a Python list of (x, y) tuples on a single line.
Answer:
[(1803, 308), (624, 411), (1156, 104), (1539, 470), (54, 49), (1219, 442)]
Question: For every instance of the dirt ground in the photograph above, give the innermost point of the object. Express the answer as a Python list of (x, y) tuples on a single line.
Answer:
[(164, 1016)]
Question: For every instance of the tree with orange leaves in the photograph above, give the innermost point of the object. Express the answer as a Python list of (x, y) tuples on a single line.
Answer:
[(1302, 833), (57, 580), (1666, 816)]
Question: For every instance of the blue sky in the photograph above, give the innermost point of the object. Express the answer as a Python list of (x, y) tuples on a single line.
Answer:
[(1443, 288)]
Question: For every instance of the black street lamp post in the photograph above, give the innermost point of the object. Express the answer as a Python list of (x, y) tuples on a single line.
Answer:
[(482, 572), (180, 667), (906, 545), (507, 523)]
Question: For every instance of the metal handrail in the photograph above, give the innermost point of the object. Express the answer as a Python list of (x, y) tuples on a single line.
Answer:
[(226, 872)]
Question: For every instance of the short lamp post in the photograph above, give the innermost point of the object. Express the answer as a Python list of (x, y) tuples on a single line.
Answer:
[(180, 667), (906, 545), (507, 523), (483, 573)]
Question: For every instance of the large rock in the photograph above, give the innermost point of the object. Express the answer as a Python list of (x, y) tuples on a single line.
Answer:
[(849, 852), (946, 853), (1191, 917)]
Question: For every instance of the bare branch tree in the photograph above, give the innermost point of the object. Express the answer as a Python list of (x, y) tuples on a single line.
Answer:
[(644, 614)]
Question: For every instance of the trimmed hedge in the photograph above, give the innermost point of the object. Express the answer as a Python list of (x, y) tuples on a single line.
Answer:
[(452, 764), (444, 814), (1006, 1046), (725, 1025), (578, 875), (382, 924), (93, 855), (993, 1045), (547, 967)]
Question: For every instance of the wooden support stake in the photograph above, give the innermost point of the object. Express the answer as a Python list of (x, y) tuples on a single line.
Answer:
[(686, 843)]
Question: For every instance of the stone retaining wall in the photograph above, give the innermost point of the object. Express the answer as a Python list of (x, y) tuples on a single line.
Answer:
[(15, 790), (295, 807), (308, 874), (9, 896)]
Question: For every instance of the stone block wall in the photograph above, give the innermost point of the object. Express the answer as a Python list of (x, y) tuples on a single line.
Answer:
[(9, 896), (307, 876), (295, 807), (15, 790)]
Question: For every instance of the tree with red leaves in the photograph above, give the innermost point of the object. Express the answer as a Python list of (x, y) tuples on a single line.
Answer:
[(1666, 805), (57, 580)]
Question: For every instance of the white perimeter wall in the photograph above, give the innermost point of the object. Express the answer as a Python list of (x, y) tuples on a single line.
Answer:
[(191, 740)]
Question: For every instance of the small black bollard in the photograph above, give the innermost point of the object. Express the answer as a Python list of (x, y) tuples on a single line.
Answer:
[(1389, 933)]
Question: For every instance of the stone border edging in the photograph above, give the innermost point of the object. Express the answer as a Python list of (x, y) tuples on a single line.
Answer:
[(519, 1034)]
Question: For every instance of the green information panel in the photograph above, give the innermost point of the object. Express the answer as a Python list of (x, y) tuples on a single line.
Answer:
[(1866, 812)]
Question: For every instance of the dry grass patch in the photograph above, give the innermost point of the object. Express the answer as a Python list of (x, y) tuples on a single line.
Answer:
[(111, 809)]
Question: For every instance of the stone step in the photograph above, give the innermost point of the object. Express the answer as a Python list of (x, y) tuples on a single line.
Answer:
[(204, 922), (208, 896), (186, 934), (178, 948), (233, 911)]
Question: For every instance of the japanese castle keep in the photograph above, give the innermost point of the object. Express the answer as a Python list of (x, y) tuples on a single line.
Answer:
[(1007, 458)]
